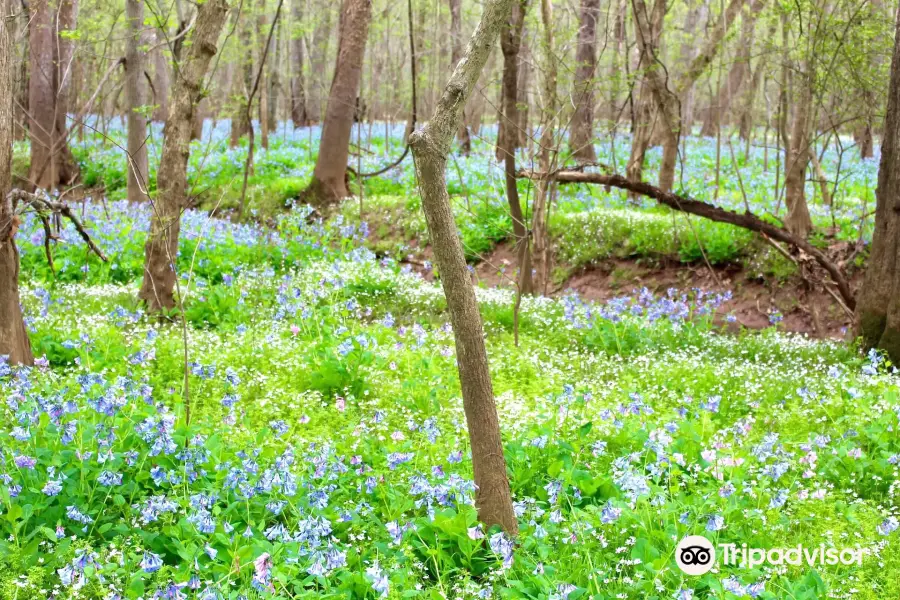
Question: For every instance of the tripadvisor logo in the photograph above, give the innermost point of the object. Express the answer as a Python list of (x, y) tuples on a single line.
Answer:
[(696, 555)]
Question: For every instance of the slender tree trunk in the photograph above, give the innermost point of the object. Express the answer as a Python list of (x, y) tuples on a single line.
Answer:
[(508, 136), (456, 53), (798, 220), (696, 14), (318, 56), (161, 80), (647, 33), (732, 85), (161, 250), (581, 137), (264, 108), (299, 115), (64, 56), (430, 146), (240, 123), (878, 309), (14, 343), (135, 99), (548, 155), (667, 98), (329, 185)]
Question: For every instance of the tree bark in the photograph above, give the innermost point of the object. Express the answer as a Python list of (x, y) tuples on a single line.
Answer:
[(456, 53), (508, 136), (240, 123), (161, 250), (14, 343), (798, 220), (688, 205), (668, 97), (264, 108), (431, 146), (299, 116), (548, 156), (51, 57), (732, 85), (581, 137), (329, 184), (878, 311), (161, 80), (135, 99)]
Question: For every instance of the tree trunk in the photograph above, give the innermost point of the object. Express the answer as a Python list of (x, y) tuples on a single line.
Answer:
[(430, 146), (667, 100), (508, 135), (161, 80), (878, 309), (135, 99), (329, 185), (456, 53), (264, 108), (318, 56), (696, 14), (732, 85), (51, 57), (798, 221), (647, 34), (548, 156), (299, 116), (581, 138), (161, 250), (240, 123), (14, 343)]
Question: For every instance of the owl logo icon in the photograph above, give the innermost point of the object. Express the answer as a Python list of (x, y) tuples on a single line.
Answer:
[(695, 555)]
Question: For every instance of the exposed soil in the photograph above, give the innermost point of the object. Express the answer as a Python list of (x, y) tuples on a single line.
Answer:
[(809, 311)]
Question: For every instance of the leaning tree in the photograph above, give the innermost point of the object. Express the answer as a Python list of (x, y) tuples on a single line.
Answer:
[(431, 147)]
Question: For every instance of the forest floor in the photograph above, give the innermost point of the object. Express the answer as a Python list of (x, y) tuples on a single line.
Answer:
[(325, 452)]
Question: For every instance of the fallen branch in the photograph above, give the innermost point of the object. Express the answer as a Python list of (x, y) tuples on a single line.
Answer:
[(41, 205), (747, 220)]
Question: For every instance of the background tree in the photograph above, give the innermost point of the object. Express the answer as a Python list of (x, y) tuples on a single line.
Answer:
[(158, 285), (329, 183), (135, 99), (581, 140)]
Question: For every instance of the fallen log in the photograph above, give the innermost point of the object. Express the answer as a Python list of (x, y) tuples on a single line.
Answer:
[(747, 220)]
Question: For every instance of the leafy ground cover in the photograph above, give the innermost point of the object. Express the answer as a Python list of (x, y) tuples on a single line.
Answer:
[(326, 453)]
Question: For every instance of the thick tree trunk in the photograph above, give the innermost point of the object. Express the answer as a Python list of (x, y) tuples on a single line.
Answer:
[(51, 57), (430, 146), (581, 138), (161, 250), (135, 98), (299, 116), (456, 53), (328, 185), (14, 343), (878, 310), (798, 220)]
